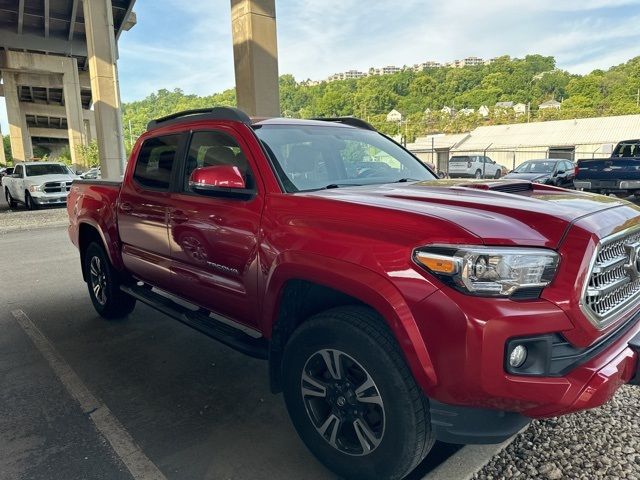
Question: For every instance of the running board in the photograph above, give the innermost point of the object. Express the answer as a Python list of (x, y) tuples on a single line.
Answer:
[(231, 337)]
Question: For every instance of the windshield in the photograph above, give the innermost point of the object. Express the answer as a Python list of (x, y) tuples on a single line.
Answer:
[(315, 157), (46, 169), (536, 167)]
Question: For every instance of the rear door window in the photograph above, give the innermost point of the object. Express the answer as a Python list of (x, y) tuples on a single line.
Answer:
[(156, 162)]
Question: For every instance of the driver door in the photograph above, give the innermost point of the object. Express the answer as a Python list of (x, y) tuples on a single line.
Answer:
[(214, 236)]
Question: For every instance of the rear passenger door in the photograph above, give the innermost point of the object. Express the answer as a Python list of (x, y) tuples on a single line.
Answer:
[(143, 209)]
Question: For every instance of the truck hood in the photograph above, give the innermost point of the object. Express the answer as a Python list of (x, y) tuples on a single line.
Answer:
[(508, 212), (41, 179)]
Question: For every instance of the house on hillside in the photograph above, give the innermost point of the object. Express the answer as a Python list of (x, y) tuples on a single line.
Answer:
[(466, 111), (484, 111), (550, 104), (520, 108), (395, 116), (447, 110), (504, 105)]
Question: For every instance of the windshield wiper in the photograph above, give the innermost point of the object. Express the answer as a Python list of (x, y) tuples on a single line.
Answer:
[(405, 180), (338, 185)]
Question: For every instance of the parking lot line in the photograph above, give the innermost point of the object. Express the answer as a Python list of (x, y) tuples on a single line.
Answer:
[(138, 464)]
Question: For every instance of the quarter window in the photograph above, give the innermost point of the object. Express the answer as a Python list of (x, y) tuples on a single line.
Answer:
[(156, 161)]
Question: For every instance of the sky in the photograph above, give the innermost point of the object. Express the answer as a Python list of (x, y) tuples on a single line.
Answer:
[(187, 44)]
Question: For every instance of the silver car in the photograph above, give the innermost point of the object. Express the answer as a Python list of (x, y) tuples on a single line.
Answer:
[(474, 166)]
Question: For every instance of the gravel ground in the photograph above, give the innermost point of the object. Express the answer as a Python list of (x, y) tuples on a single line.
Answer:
[(21, 219), (596, 444)]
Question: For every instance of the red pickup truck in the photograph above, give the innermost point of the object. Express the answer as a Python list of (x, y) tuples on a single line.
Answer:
[(393, 308)]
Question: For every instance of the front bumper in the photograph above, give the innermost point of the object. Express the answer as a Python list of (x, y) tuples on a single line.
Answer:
[(468, 349), (50, 198)]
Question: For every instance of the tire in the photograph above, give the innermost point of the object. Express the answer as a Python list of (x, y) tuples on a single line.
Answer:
[(28, 202), (104, 283), (12, 203), (498, 174), (478, 174), (382, 438)]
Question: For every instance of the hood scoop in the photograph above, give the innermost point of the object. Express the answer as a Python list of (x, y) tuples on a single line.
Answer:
[(504, 186)]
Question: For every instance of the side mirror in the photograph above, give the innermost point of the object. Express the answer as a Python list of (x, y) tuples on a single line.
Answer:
[(218, 178), (560, 172)]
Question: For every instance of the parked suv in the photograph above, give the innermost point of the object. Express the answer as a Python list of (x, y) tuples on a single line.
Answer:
[(393, 308), (474, 166)]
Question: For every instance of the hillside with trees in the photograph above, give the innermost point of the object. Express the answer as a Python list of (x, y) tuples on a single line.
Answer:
[(420, 96)]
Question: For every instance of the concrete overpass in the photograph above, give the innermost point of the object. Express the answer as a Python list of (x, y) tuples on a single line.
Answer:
[(58, 62)]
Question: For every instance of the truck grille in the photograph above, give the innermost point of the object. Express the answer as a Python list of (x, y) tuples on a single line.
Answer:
[(57, 187), (614, 280)]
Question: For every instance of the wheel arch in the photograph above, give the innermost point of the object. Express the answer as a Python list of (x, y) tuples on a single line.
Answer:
[(302, 285), (89, 232)]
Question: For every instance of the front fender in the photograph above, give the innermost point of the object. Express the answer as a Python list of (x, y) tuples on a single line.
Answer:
[(369, 287)]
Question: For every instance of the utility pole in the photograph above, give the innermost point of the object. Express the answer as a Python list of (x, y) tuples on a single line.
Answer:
[(638, 98)]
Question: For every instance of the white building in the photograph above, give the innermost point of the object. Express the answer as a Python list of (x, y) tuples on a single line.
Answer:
[(394, 116), (504, 105), (512, 144), (472, 62), (520, 108), (419, 67), (484, 111), (466, 111), (388, 70), (550, 104), (447, 110), (348, 75)]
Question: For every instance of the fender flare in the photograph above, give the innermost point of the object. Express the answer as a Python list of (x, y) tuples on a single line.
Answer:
[(366, 285), (111, 244)]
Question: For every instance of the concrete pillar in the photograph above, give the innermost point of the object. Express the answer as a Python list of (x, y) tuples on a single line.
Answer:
[(21, 148), (3, 157), (255, 52), (73, 106), (103, 72)]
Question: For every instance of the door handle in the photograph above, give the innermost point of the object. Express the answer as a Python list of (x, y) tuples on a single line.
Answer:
[(126, 207)]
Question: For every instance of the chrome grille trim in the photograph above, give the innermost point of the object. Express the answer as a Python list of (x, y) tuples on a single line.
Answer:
[(612, 287)]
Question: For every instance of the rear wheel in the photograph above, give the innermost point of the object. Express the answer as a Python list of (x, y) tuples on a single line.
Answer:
[(12, 203), (104, 284), (352, 397)]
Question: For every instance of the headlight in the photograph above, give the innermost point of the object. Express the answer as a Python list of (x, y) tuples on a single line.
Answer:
[(541, 180), (489, 271), (35, 188)]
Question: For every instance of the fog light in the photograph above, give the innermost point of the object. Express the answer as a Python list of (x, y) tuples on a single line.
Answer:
[(518, 356)]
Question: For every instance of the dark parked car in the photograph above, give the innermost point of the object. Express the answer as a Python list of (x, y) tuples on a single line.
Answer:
[(550, 171), (4, 172), (619, 174)]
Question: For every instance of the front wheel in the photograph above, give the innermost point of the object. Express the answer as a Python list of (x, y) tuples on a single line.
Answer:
[(352, 398), (498, 174), (104, 285), (478, 173), (29, 203)]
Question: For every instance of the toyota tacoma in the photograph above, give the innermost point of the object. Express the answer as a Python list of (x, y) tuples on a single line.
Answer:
[(394, 309)]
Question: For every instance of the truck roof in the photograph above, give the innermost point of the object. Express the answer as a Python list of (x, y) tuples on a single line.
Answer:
[(236, 115)]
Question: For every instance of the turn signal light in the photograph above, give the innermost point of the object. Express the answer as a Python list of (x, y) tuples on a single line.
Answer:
[(437, 263)]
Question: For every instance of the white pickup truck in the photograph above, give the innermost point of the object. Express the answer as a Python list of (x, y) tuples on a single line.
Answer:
[(38, 183)]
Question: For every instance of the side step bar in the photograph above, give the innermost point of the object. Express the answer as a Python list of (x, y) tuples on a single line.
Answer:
[(232, 337)]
